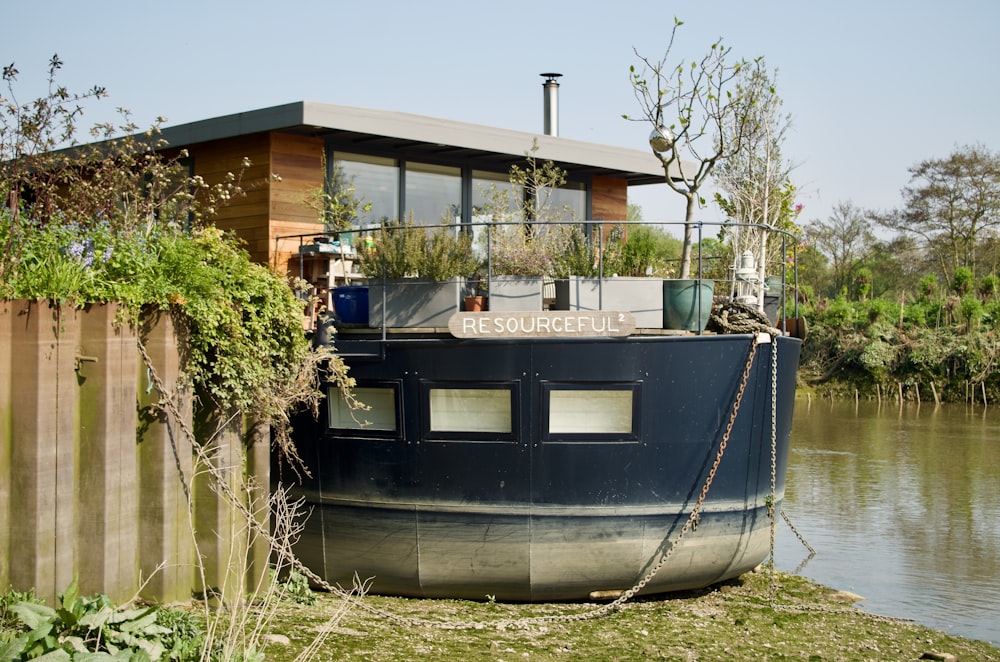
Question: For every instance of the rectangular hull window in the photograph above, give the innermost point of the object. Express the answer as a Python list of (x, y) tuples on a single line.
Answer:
[(595, 412), (381, 417), (476, 410)]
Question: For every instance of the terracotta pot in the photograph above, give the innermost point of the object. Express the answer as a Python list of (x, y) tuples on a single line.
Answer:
[(475, 304)]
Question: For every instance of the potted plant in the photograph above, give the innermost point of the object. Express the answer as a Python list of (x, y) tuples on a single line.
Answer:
[(476, 299), (522, 257), (416, 274), (526, 235)]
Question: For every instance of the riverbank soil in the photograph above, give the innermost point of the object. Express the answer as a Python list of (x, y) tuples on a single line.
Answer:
[(736, 620)]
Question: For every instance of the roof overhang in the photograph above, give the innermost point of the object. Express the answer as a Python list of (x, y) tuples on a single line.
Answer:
[(419, 136)]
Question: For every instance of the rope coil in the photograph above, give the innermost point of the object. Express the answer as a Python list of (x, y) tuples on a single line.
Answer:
[(736, 317)]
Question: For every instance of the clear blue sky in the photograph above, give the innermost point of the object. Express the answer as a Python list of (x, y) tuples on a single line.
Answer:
[(873, 87)]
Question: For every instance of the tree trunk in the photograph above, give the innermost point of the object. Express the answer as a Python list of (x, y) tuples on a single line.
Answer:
[(692, 200)]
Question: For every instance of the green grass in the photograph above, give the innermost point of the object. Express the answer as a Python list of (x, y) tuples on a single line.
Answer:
[(731, 621)]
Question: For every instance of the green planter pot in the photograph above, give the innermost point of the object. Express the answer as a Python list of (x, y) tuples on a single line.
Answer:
[(687, 304)]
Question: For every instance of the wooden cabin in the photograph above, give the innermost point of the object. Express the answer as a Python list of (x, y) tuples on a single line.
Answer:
[(405, 165)]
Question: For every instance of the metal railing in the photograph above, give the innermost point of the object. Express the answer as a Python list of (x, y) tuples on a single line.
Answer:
[(719, 260)]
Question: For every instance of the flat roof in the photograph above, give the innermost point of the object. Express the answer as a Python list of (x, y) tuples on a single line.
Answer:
[(418, 136)]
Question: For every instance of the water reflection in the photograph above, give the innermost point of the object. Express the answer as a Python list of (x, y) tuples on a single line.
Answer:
[(902, 506)]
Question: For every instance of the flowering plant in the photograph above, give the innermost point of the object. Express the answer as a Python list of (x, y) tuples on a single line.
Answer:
[(519, 250)]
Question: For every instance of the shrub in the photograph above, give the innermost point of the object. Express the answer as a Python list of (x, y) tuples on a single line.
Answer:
[(962, 281), (447, 253), (991, 314), (879, 357), (917, 315), (579, 257), (989, 286), (863, 279), (971, 310), (880, 310), (116, 221), (928, 286), (410, 250), (525, 250), (840, 313), (641, 252)]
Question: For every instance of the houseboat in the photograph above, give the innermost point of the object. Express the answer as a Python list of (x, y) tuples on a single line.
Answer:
[(531, 453), (527, 455)]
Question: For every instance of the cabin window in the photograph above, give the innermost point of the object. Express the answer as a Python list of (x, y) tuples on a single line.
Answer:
[(375, 180), (492, 188), (484, 184), (433, 194), (600, 412), (571, 196), (481, 412), (381, 417)]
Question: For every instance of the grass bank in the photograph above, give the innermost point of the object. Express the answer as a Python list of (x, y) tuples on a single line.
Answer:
[(731, 621)]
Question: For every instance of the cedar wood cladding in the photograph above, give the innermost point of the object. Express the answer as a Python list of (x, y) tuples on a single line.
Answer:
[(610, 199), (270, 208), (277, 208)]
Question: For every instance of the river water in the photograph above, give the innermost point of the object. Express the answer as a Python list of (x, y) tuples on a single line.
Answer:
[(902, 505)]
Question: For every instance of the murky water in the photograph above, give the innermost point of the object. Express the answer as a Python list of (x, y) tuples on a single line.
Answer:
[(903, 507)]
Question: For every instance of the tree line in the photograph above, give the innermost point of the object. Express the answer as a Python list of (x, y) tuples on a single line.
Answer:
[(907, 298)]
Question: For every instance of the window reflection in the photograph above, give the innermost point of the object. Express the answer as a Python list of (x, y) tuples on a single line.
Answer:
[(590, 411), (433, 194), (380, 415), (571, 196), (376, 180)]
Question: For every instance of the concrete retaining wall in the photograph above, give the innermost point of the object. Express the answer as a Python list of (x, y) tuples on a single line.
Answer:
[(95, 482)]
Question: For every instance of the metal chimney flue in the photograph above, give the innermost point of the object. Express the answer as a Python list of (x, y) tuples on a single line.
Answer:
[(551, 91)]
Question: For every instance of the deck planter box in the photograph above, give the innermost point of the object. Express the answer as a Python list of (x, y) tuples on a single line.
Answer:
[(643, 297), (509, 293), (413, 303)]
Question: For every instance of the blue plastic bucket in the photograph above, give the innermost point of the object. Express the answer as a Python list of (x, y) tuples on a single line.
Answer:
[(350, 303)]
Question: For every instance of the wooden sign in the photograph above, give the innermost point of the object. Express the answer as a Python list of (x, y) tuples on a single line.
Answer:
[(548, 324)]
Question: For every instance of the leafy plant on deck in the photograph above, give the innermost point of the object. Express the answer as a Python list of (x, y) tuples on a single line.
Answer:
[(410, 250)]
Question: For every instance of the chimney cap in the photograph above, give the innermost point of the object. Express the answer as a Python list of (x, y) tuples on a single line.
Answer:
[(550, 76)]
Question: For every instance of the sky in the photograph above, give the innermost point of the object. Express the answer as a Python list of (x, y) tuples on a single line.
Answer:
[(872, 87)]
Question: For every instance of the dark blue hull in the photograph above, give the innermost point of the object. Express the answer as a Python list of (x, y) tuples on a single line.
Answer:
[(545, 511)]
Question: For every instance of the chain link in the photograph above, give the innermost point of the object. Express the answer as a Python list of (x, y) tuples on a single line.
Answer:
[(773, 497), (772, 501)]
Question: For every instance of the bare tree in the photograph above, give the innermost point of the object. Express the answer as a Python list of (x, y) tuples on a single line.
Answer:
[(952, 204), (702, 100), (756, 180), (844, 237)]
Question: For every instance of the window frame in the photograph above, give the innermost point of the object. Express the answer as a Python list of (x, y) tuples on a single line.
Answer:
[(395, 435), (546, 436), (428, 434)]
